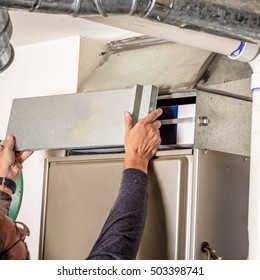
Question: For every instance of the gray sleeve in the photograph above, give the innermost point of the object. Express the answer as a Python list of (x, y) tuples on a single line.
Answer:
[(123, 229)]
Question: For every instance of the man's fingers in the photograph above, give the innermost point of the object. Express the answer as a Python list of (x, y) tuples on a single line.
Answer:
[(153, 116), (9, 142), (26, 155), (17, 168), (156, 141), (156, 125), (23, 156), (128, 121)]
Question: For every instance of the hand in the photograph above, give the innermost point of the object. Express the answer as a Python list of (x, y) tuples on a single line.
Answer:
[(10, 161), (141, 140)]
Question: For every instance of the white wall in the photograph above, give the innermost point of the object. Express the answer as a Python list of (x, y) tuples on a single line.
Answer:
[(40, 69)]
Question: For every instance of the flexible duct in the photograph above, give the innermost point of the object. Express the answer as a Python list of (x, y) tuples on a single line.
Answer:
[(227, 18), (232, 22), (6, 50)]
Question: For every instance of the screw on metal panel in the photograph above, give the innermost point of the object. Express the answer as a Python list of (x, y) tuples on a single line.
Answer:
[(204, 152), (245, 159), (203, 121)]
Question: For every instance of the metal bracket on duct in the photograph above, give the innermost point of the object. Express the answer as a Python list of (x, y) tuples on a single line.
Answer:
[(227, 18), (6, 50)]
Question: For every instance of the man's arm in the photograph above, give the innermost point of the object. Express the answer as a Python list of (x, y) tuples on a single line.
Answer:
[(10, 168), (123, 229)]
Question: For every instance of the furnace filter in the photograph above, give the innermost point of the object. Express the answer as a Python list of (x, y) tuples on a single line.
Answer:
[(180, 131)]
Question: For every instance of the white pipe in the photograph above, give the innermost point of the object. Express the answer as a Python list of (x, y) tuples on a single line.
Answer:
[(245, 52), (254, 189), (234, 48)]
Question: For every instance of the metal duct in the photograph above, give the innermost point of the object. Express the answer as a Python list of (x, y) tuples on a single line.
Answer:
[(227, 18), (6, 50)]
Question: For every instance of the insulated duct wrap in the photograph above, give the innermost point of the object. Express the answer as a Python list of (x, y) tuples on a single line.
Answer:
[(80, 7), (226, 18), (6, 50)]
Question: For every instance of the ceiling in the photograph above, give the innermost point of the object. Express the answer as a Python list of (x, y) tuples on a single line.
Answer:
[(31, 28)]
